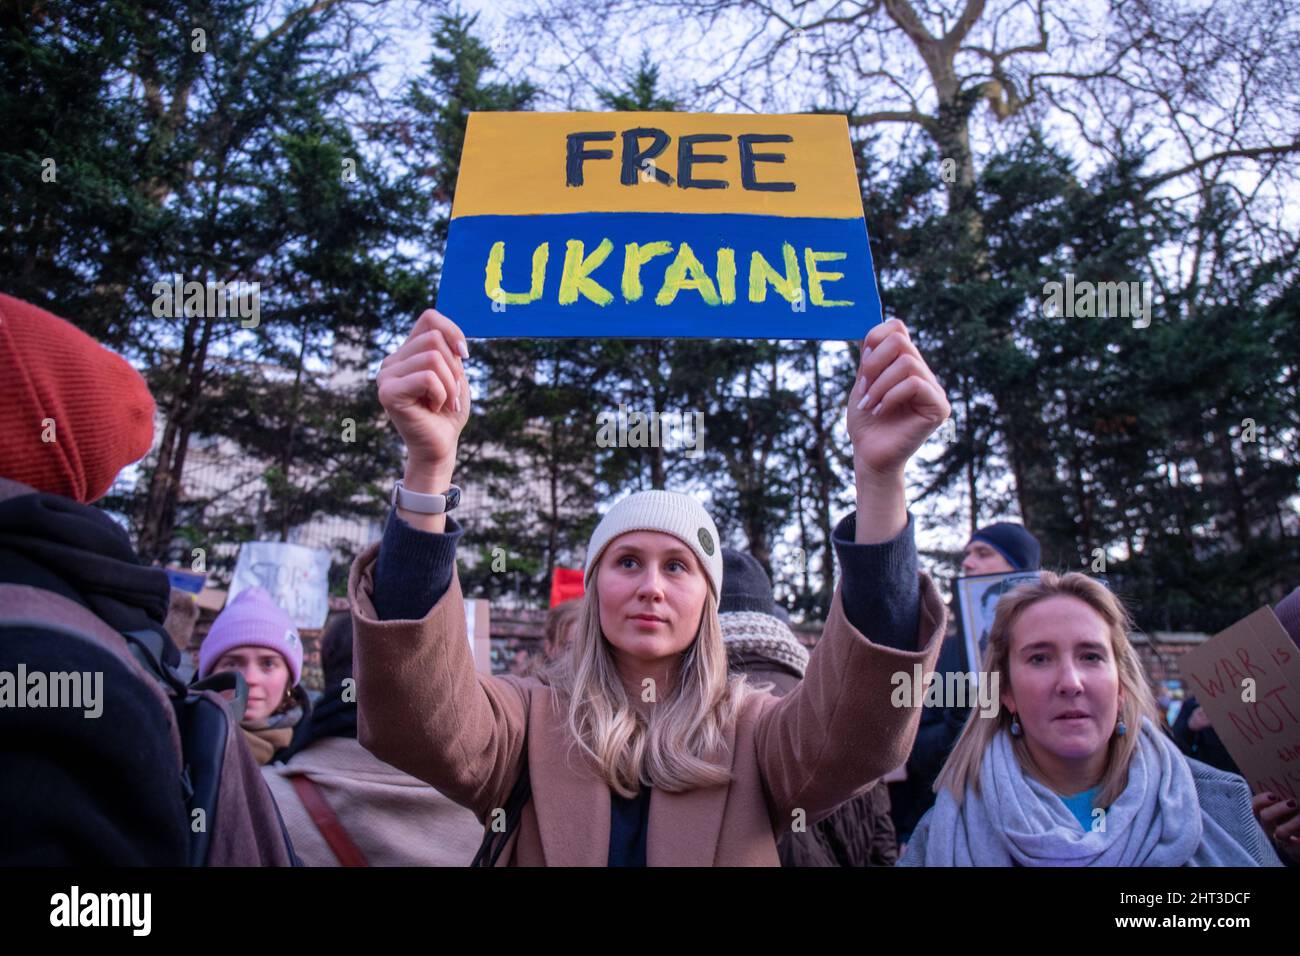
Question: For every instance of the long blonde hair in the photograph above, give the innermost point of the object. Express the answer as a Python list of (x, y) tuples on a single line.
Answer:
[(682, 744), (962, 768)]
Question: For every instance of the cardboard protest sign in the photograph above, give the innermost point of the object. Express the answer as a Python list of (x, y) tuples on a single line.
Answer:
[(1248, 680), (296, 577), (658, 225)]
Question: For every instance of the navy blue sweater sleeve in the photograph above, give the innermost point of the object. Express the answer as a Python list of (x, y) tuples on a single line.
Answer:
[(879, 585), (413, 570)]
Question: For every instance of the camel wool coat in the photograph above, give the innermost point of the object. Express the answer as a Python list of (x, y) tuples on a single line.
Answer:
[(424, 709)]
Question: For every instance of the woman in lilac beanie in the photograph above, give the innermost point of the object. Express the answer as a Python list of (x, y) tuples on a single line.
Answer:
[(255, 637)]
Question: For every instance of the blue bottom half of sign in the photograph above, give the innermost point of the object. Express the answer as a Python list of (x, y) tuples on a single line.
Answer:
[(659, 275)]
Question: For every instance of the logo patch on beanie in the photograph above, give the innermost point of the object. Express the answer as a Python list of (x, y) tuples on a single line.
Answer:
[(291, 638), (706, 541)]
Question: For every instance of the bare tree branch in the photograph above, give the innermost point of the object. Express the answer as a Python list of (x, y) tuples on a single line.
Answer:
[(1223, 154)]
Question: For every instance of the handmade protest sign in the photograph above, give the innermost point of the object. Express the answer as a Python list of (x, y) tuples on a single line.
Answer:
[(1248, 680), (658, 225), (296, 577)]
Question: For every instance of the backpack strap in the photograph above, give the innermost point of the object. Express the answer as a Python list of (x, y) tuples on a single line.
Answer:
[(147, 647), (224, 681), (327, 821), (490, 849)]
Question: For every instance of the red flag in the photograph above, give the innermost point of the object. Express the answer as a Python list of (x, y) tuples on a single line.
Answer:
[(566, 584)]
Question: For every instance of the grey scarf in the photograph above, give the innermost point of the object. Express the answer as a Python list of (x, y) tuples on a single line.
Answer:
[(1015, 820)]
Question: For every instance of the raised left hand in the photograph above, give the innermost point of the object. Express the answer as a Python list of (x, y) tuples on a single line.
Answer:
[(904, 403)]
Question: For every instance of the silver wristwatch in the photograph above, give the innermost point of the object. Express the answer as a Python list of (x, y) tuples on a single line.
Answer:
[(414, 501)]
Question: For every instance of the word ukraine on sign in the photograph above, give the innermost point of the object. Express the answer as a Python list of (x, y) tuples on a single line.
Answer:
[(658, 225)]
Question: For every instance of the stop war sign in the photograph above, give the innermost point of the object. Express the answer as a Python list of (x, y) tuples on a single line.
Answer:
[(295, 576)]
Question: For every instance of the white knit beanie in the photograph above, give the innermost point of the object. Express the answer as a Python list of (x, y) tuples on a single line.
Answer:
[(676, 514)]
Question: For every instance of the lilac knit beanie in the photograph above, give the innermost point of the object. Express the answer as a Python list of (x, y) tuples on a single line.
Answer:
[(252, 619)]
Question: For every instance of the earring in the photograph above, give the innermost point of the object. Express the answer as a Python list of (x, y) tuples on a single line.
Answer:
[(1121, 728), (1016, 729)]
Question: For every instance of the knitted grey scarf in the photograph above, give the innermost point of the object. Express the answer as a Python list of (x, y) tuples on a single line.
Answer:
[(1015, 820)]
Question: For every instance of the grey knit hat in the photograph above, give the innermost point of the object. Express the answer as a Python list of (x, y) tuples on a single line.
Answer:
[(669, 512)]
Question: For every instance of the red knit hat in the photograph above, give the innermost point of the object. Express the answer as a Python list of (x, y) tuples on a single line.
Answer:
[(75, 413)]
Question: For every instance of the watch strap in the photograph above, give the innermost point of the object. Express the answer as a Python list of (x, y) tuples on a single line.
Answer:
[(420, 503)]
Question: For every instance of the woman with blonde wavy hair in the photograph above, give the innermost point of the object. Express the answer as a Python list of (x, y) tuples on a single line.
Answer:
[(1075, 768), (636, 747)]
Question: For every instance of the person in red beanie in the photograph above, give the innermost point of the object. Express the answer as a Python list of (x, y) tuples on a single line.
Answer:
[(104, 786), (76, 413)]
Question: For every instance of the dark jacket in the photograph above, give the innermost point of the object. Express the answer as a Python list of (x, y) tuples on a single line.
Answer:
[(106, 790), (940, 726), (1204, 745), (331, 717), (97, 791)]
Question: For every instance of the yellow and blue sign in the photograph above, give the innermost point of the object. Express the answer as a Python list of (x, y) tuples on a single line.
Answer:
[(658, 225)]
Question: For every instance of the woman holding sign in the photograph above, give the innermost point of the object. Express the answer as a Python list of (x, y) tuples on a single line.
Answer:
[(1076, 769), (639, 748)]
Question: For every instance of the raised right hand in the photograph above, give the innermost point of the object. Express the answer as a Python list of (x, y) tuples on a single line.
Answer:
[(423, 388)]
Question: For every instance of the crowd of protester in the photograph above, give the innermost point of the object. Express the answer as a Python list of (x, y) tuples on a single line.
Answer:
[(672, 718)]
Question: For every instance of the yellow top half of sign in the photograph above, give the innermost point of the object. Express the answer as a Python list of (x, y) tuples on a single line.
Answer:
[(514, 164)]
